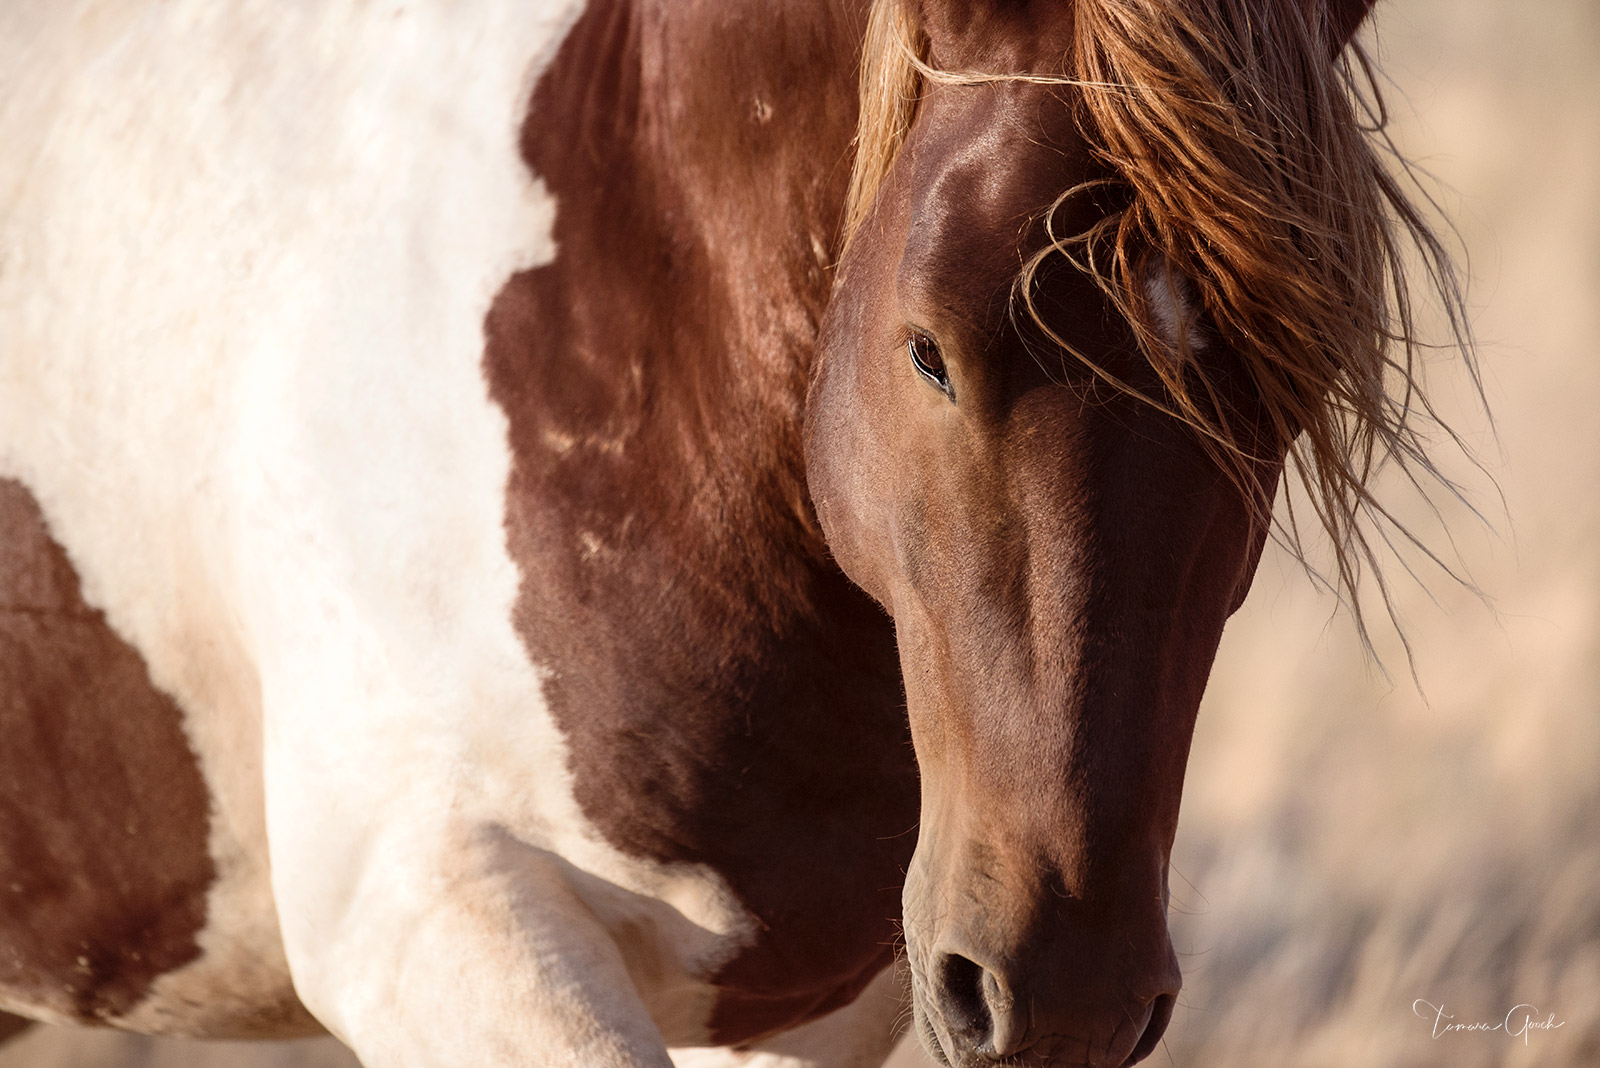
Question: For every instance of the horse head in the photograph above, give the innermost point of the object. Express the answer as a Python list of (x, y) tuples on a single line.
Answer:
[(1052, 457)]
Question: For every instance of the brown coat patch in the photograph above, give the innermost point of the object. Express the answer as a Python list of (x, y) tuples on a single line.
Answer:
[(729, 697), (12, 1026), (104, 865)]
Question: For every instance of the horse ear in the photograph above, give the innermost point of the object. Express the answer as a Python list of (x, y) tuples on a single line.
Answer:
[(1344, 18)]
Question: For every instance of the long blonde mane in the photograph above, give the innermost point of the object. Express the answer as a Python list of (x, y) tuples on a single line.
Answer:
[(1253, 163)]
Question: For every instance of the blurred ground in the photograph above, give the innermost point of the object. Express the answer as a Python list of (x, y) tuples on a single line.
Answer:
[(1349, 849), (59, 1048)]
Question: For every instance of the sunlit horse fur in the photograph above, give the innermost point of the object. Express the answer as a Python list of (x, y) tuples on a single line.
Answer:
[(534, 599)]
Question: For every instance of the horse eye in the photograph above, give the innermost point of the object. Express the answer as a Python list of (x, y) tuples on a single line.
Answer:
[(928, 361)]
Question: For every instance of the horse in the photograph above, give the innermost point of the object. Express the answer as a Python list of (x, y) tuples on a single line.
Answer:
[(576, 533)]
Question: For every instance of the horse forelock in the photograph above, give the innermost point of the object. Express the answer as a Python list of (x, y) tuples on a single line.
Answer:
[(1248, 148)]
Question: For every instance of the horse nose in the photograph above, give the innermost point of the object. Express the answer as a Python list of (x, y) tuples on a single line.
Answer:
[(980, 1005), (991, 1014)]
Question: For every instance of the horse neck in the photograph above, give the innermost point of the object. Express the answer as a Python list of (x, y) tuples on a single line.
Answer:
[(655, 373), (698, 154), (743, 142)]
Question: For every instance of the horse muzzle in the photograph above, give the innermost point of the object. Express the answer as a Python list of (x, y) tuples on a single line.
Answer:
[(971, 1016), (1037, 979)]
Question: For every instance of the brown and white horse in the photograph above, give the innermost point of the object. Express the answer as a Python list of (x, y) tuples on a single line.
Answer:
[(465, 590)]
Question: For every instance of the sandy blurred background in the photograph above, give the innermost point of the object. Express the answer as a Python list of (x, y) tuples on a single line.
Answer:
[(1349, 848)]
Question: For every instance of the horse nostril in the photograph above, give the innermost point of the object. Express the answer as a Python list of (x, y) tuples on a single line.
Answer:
[(979, 1008), (1160, 1016), (966, 1009), (984, 1015)]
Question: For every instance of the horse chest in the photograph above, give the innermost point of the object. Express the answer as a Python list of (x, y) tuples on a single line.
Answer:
[(727, 702)]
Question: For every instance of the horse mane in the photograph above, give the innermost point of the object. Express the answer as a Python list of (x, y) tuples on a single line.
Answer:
[(1253, 164)]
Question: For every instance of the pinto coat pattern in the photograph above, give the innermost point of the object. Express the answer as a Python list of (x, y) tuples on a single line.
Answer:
[(471, 544), (248, 257)]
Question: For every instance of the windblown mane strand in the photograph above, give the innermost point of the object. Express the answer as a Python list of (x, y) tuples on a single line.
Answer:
[(1255, 173), (890, 86)]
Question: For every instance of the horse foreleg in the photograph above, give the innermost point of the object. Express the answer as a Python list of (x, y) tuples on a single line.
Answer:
[(860, 1035), (446, 954)]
